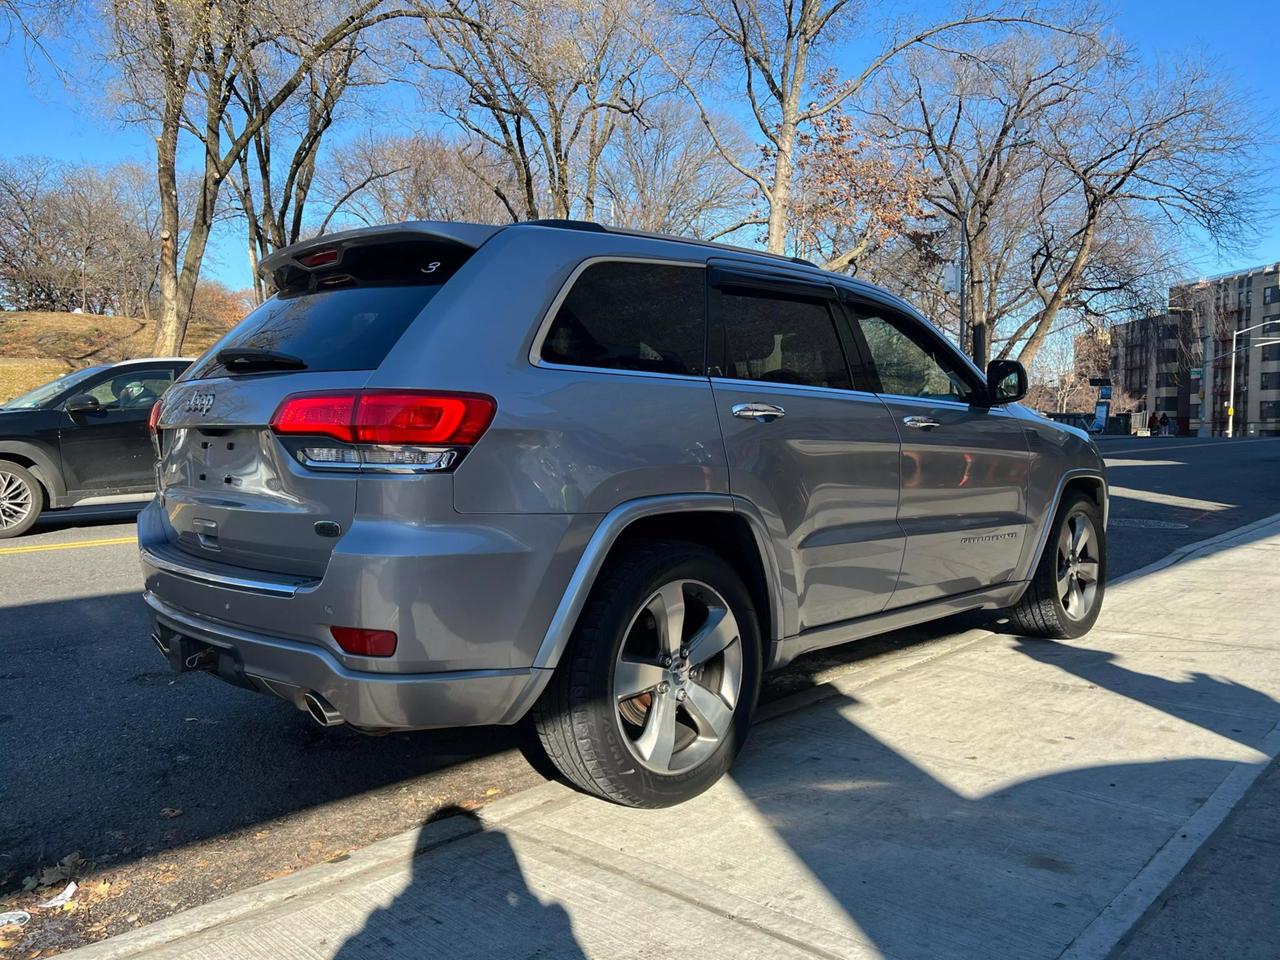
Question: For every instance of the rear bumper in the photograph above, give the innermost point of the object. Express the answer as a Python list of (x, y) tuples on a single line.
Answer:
[(289, 669)]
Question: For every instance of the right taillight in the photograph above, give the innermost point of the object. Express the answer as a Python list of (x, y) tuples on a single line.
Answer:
[(406, 431)]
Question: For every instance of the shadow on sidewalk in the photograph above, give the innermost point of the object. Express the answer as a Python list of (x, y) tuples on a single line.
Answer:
[(466, 900)]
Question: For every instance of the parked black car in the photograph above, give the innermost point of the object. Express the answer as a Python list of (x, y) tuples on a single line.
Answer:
[(80, 439)]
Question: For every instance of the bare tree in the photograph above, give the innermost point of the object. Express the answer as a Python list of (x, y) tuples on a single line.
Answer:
[(666, 175), (181, 63), (275, 177), (771, 53), (542, 85), (379, 179), (76, 238), (1070, 173)]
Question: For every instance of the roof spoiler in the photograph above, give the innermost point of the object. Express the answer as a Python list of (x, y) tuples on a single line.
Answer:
[(467, 236)]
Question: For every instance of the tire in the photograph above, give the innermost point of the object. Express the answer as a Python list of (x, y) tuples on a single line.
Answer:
[(21, 500), (619, 724), (1047, 609)]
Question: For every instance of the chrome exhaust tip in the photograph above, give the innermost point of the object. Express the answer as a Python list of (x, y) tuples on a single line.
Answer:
[(321, 710)]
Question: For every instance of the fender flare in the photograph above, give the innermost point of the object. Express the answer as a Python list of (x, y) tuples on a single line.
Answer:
[(556, 638), (44, 467), (1027, 563)]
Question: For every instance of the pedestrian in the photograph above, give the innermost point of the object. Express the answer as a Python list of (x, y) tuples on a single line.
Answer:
[(1164, 425), (1153, 425)]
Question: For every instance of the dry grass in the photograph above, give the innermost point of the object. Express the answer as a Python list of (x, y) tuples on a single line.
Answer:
[(36, 347)]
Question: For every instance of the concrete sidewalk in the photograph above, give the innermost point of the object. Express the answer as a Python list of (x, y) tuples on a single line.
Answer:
[(979, 796)]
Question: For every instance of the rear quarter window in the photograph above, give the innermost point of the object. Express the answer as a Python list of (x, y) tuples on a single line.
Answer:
[(627, 315)]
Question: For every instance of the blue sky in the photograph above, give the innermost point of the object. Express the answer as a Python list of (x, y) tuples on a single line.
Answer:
[(39, 116)]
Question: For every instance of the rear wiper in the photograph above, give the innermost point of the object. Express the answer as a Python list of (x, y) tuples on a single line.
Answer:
[(254, 358)]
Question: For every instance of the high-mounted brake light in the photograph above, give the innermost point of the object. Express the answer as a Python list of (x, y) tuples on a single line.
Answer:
[(403, 430), (321, 258)]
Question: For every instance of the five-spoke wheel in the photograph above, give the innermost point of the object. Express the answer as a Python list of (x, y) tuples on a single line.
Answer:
[(678, 675), (654, 697)]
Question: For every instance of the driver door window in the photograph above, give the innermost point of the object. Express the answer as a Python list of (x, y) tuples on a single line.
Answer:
[(135, 390)]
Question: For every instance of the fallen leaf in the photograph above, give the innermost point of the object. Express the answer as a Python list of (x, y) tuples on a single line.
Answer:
[(492, 791)]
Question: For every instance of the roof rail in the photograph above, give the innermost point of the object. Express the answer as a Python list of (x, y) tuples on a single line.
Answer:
[(593, 227)]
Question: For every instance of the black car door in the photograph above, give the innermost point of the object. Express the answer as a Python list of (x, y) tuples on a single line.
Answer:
[(106, 449)]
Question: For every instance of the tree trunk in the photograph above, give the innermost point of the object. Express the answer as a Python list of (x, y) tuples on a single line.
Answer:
[(168, 337), (780, 191)]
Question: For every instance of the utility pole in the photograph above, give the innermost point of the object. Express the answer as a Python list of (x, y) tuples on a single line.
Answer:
[(1206, 382), (963, 284)]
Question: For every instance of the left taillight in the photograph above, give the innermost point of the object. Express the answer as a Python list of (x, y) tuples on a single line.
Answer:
[(385, 429)]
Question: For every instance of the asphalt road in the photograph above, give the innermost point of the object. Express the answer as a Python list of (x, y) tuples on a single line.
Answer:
[(178, 789)]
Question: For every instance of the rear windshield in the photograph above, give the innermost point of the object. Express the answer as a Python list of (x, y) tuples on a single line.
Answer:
[(350, 328)]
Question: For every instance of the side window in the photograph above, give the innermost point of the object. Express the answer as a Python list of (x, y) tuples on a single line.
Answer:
[(134, 390), (624, 315), (909, 366), (778, 340)]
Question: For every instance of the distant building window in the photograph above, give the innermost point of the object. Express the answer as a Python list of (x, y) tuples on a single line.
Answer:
[(1271, 329), (1271, 381), (1167, 404), (1166, 378), (1271, 352), (1169, 331), (1167, 355), (1269, 410), (1271, 294)]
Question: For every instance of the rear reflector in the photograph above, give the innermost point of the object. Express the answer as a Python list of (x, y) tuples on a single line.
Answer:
[(387, 418), (365, 643), (153, 422)]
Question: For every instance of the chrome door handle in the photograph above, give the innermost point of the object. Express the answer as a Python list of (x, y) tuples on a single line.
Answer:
[(921, 423), (759, 412)]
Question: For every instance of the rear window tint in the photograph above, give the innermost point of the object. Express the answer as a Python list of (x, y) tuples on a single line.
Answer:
[(780, 341), (351, 328), (631, 316)]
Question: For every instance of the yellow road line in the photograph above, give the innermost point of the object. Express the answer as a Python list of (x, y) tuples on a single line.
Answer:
[(72, 545)]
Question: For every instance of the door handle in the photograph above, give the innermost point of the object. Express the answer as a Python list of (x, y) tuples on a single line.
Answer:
[(759, 412), (921, 423)]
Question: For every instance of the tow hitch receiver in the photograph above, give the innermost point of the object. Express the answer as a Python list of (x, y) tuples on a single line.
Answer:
[(186, 654)]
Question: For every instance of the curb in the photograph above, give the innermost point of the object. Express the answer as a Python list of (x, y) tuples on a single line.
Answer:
[(1095, 942)]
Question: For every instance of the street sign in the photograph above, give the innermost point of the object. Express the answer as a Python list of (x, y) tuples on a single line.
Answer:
[(1197, 373), (1104, 393), (1099, 381)]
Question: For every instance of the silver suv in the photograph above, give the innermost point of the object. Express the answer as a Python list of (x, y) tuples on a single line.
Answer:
[(459, 474)]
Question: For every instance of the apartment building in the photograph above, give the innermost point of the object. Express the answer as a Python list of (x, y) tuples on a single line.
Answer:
[(1159, 360)]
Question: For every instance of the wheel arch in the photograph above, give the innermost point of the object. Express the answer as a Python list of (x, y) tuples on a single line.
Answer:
[(726, 524), (1087, 481), (41, 464)]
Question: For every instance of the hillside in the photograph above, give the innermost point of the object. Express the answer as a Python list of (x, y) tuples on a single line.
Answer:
[(36, 347)]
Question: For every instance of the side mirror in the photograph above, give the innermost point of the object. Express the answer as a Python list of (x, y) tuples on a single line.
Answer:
[(1006, 382), (82, 403)]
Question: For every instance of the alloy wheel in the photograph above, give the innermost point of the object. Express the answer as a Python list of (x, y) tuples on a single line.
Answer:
[(1078, 566), (678, 677), (15, 500)]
